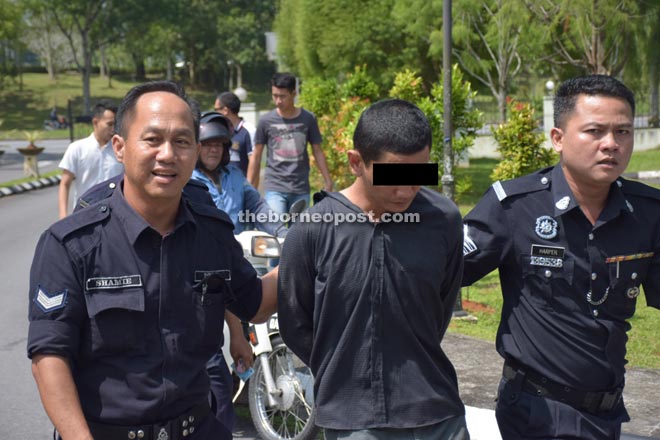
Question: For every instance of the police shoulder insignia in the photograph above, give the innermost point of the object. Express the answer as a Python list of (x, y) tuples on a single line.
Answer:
[(546, 227), (563, 203), (469, 246), (48, 302)]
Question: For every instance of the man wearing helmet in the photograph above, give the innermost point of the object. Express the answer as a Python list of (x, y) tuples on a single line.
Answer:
[(231, 193), (227, 185)]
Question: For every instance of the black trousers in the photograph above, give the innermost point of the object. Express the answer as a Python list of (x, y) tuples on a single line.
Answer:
[(521, 415)]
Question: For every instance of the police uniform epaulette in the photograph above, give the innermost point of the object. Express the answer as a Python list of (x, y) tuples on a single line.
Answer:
[(198, 192), (79, 220), (209, 211), (318, 196), (639, 189), (537, 181), (98, 192)]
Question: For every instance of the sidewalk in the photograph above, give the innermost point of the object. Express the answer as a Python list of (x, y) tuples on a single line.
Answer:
[(11, 164)]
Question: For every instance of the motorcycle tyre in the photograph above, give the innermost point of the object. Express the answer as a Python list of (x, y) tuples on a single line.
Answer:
[(261, 423)]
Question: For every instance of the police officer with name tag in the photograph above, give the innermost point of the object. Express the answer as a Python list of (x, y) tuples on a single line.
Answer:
[(573, 243), (127, 297)]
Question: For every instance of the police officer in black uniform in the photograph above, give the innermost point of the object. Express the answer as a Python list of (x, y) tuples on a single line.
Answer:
[(127, 297), (573, 244)]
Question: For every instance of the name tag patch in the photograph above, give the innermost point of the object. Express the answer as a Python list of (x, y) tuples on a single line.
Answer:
[(200, 275), (547, 256), (48, 302), (120, 282)]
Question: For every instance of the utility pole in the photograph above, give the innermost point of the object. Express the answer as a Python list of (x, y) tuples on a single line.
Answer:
[(448, 183), (448, 156)]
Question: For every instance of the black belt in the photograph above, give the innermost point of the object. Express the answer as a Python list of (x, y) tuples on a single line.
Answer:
[(175, 429), (594, 402)]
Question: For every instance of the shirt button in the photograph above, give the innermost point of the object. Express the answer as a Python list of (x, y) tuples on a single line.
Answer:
[(548, 273), (594, 276), (595, 312), (103, 208), (619, 184), (544, 180), (633, 276), (112, 185), (140, 434), (131, 435), (591, 236)]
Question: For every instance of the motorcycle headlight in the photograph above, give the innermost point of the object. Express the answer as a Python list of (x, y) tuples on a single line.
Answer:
[(265, 246)]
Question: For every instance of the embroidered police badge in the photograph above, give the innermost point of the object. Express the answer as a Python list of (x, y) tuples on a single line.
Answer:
[(48, 302), (546, 227)]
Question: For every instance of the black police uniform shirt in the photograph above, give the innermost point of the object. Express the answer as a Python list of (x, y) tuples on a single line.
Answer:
[(137, 314), (366, 305), (568, 287)]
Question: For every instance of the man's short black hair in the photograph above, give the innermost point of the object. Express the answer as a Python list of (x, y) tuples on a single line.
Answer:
[(101, 107), (127, 106), (391, 126), (284, 80), (591, 85), (231, 101)]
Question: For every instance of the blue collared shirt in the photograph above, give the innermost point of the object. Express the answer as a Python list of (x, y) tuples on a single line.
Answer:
[(236, 196)]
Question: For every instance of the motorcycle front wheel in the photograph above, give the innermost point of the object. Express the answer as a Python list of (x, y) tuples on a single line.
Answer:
[(293, 417)]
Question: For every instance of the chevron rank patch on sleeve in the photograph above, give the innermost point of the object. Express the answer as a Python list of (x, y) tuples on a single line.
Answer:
[(48, 302), (469, 246)]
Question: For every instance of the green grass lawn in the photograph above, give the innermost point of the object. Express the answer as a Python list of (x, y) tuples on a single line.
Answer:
[(28, 108), (647, 160)]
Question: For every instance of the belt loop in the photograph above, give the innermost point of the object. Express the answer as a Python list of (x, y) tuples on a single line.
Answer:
[(516, 386)]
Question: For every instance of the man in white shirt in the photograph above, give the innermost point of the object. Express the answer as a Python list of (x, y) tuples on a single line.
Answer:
[(89, 161)]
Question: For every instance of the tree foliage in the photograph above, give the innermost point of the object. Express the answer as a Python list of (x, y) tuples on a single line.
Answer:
[(338, 106), (520, 144), (329, 38), (466, 119), (595, 36), (493, 38)]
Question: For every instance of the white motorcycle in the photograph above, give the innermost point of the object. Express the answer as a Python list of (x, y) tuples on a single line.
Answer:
[(281, 389)]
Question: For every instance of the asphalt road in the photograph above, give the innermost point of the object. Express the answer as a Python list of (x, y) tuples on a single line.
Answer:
[(22, 219)]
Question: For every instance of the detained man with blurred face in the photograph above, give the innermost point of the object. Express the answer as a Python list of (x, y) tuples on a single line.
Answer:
[(366, 302)]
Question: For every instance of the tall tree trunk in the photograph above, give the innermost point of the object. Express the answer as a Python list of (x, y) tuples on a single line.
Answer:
[(49, 58), (169, 75), (654, 80), (104, 62), (138, 63), (501, 105), (239, 76), (86, 73)]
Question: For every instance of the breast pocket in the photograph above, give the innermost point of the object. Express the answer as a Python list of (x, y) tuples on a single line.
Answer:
[(209, 297), (626, 278), (542, 275), (117, 321)]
